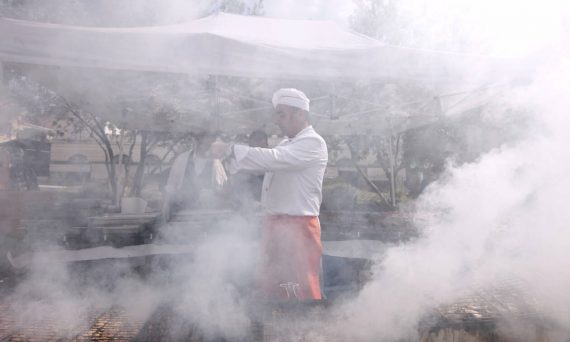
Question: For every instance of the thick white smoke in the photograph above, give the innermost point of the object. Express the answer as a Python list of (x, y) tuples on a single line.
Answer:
[(502, 217), (208, 290)]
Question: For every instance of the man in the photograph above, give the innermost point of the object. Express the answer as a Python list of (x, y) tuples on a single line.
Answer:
[(291, 197), (193, 174), (246, 187), (258, 138)]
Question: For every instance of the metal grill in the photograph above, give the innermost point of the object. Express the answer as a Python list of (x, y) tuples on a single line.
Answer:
[(507, 300), (477, 312), (487, 314), (112, 325), (165, 325), (280, 321)]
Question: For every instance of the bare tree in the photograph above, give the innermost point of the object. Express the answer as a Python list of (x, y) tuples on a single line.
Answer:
[(74, 105)]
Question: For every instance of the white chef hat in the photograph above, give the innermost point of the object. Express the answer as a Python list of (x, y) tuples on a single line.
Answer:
[(291, 97)]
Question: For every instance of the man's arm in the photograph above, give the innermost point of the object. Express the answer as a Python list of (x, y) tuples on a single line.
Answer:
[(297, 155)]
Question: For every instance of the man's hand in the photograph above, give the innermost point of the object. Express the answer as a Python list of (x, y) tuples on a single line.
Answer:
[(219, 150)]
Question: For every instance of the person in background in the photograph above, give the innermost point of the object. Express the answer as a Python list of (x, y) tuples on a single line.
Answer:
[(192, 175), (291, 199), (258, 138), (246, 186)]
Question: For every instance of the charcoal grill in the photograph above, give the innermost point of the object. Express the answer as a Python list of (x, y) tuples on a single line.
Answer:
[(111, 325), (484, 314)]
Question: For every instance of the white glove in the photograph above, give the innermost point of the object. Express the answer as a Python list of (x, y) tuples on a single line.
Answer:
[(219, 177)]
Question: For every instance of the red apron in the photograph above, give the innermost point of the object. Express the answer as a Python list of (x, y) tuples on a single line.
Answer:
[(291, 259)]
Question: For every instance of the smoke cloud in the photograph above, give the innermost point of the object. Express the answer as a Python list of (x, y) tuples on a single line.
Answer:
[(500, 217)]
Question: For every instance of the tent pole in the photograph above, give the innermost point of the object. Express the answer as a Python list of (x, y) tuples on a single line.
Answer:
[(120, 182), (332, 103), (392, 167), (214, 101)]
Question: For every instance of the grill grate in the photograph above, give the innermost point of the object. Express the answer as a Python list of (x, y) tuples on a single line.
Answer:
[(478, 311), (483, 308), (112, 325)]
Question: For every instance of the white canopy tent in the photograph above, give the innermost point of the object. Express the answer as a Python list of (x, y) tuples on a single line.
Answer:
[(231, 45), (255, 47)]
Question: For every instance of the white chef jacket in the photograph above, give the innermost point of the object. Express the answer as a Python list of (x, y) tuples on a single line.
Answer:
[(294, 172)]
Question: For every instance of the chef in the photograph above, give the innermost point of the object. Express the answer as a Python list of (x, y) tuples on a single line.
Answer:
[(291, 198)]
